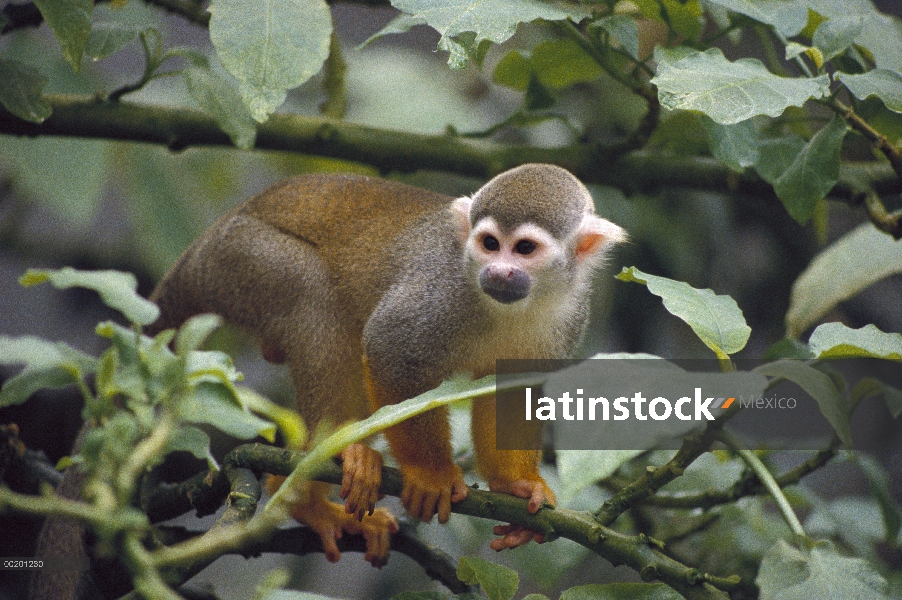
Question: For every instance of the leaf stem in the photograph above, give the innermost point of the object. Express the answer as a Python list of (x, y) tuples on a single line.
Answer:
[(767, 479)]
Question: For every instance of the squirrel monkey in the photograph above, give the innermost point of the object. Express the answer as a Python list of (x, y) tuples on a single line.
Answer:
[(373, 292)]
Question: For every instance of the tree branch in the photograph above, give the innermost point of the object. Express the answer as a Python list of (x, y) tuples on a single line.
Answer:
[(387, 150), (301, 540), (637, 552)]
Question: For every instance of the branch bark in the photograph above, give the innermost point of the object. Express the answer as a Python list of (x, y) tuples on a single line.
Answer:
[(388, 150)]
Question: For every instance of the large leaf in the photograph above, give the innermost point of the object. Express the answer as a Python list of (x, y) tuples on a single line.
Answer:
[(730, 92), (215, 405), (790, 574), (835, 340), (716, 320), (47, 365), (880, 34), (855, 261), (833, 36), (70, 22), (116, 289), (270, 46), (883, 83), (819, 386), (788, 17), (813, 172), (21, 92), (216, 96), (562, 63), (108, 38), (498, 582), (613, 376), (493, 20), (624, 29), (578, 469), (736, 146)]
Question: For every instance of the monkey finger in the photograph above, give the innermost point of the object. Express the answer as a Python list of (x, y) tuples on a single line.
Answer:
[(329, 535), (459, 491), (430, 500), (444, 505), (512, 536)]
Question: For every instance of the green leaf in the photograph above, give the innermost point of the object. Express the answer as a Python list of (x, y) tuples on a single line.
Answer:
[(47, 365), (493, 20), (623, 28), (400, 24), (868, 387), (270, 46), (70, 22), (214, 404), (716, 320), (833, 36), (578, 469), (116, 289), (22, 91), (537, 96), (883, 83), (790, 574), (685, 17), (287, 420), (673, 55), (776, 155), (513, 70), (621, 591), (212, 366), (788, 348), (218, 98), (195, 332), (108, 38), (835, 340), (193, 440), (813, 173), (880, 34), (562, 63), (794, 49), (730, 92), (788, 17), (819, 386), (736, 146), (855, 261), (498, 582), (619, 375), (881, 489)]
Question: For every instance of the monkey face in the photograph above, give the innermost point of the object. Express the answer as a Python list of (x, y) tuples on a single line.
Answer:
[(509, 263)]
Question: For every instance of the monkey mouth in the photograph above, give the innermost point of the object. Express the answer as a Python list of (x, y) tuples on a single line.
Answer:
[(504, 292)]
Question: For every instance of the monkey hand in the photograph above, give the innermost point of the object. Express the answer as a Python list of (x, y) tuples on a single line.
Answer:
[(428, 491), (331, 521), (537, 492), (361, 477)]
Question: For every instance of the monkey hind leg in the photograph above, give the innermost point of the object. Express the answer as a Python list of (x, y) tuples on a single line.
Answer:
[(330, 521)]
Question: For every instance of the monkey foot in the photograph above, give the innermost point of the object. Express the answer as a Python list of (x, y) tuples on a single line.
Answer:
[(362, 475), (331, 521), (537, 492), (427, 491)]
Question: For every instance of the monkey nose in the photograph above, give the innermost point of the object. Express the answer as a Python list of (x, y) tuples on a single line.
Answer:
[(504, 284)]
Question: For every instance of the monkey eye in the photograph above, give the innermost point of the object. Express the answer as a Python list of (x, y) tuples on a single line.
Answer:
[(490, 243), (525, 247)]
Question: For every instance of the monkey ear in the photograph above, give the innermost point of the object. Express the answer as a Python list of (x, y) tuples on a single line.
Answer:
[(596, 235), (461, 208)]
